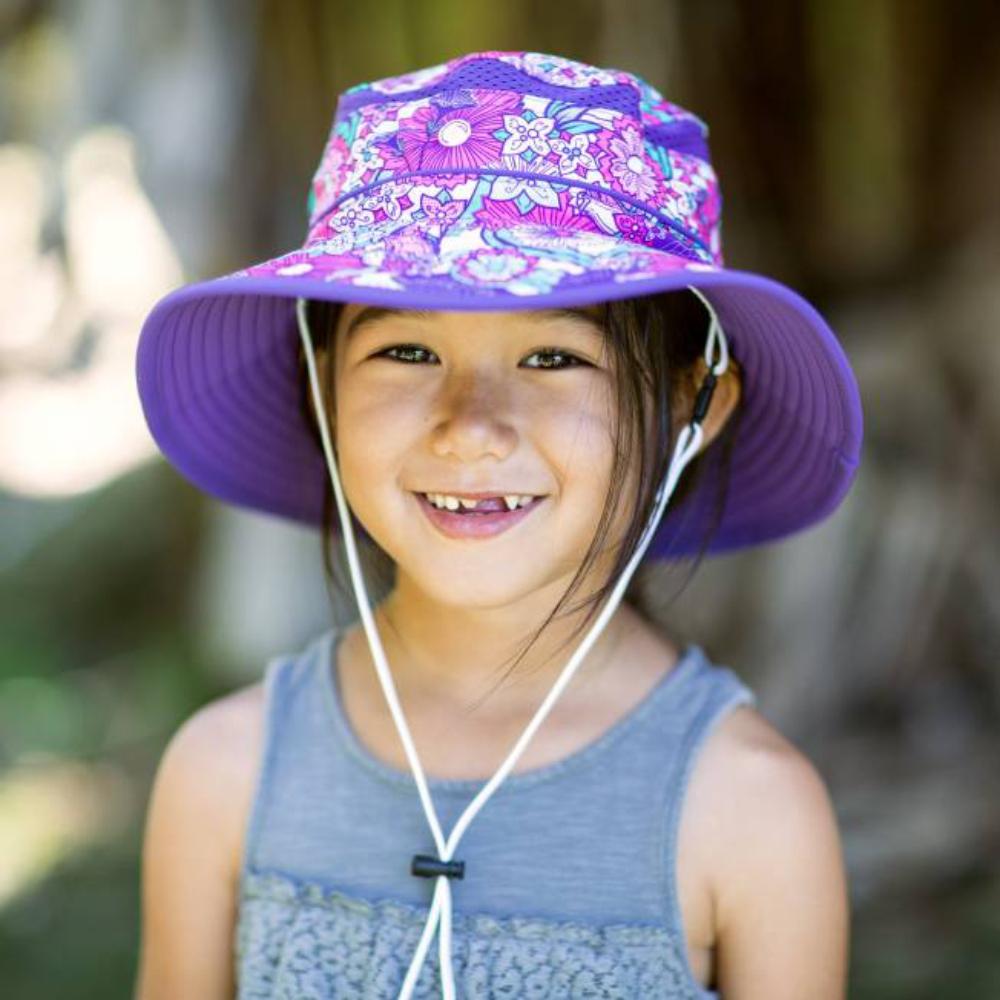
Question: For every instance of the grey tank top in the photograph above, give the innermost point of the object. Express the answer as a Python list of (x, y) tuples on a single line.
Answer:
[(570, 888)]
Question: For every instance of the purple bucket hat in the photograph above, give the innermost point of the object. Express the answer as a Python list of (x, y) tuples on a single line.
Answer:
[(499, 181)]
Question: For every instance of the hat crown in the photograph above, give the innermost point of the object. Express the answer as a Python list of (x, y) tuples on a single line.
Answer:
[(562, 140)]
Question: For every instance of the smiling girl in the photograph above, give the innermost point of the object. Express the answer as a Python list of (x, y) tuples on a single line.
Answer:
[(510, 356)]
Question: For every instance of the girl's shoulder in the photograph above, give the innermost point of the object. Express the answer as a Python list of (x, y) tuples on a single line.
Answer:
[(191, 844), (747, 768), (767, 838), (226, 735), (739, 733)]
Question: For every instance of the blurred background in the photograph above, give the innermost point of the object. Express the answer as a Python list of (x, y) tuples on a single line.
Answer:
[(145, 144)]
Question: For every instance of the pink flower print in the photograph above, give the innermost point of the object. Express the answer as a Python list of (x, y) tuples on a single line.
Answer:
[(439, 216), (454, 137), (527, 135), (631, 227), (505, 214), (630, 167), (508, 188), (573, 155)]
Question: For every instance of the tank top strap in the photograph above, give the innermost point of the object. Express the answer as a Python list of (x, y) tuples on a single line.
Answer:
[(292, 730)]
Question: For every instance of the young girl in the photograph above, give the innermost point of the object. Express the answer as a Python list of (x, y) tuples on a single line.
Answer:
[(510, 355)]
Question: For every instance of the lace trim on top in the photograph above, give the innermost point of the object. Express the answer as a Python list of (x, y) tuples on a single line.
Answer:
[(304, 939)]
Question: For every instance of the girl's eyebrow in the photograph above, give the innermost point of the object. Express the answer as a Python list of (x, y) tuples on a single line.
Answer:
[(371, 314)]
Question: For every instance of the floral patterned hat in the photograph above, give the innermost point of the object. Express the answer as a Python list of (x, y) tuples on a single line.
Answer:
[(501, 180)]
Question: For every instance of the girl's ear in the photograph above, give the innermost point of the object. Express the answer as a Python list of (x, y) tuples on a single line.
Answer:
[(726, 395)]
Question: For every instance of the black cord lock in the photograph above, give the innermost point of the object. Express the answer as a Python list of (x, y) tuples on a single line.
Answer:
[(430, 867), (704, 397)]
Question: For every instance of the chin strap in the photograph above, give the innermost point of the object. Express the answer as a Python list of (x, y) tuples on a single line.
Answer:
[(443, 867)]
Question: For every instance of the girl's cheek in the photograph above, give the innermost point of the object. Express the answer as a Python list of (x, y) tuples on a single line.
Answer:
[(370, 408)]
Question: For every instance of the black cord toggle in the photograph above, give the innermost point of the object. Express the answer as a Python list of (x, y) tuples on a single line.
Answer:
[(429, 867), (704, 397)]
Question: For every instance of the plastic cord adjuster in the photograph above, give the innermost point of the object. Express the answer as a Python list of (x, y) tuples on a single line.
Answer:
[(428, 866), (704, 397)]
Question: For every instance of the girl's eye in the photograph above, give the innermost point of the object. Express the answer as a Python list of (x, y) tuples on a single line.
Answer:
[(407, 348), (398, 352), (553, 352)]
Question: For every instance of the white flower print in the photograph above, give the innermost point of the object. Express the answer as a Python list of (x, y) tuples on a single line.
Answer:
[(365, 156), (351, 217), (527, 135), (387, 198), (573, 155)]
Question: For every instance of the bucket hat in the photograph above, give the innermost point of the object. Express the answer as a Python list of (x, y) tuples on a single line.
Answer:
[(501, 180)]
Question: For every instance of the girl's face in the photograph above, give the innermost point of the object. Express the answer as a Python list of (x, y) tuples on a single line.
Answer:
[(459, 403)]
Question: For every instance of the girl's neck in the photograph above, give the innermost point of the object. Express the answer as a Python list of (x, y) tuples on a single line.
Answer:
[(439, 656)]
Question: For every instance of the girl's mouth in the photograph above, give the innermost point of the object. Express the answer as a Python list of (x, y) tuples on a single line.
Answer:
[(472, 523)]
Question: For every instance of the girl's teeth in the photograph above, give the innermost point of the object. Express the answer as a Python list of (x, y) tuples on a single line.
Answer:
[(511, 501), (516, 500)]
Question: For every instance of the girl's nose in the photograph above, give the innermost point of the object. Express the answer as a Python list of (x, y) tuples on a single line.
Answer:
[(473, 419)]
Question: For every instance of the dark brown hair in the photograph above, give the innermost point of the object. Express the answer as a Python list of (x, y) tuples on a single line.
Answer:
[(652, 341)]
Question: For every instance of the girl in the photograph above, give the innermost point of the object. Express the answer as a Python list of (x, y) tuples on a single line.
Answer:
[(508, 342)]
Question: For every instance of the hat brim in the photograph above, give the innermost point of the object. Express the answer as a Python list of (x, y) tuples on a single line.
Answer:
[(220, 385)]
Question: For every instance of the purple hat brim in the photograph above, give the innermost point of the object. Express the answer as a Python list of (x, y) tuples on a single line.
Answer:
[(220, 386)]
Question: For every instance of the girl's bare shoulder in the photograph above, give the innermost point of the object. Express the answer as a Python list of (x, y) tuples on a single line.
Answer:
[(747, 769), (777, 873), (191, 848), (226, 735)]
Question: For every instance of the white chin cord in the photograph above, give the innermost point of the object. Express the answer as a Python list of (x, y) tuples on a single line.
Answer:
[(443, 867)]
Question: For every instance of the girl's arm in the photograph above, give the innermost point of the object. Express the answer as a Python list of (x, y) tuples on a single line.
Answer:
[(188, 870), (782, 904)]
